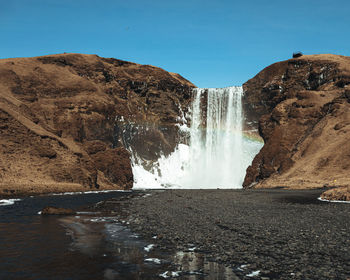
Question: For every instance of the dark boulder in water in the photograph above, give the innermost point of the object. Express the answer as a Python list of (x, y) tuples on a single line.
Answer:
[(49, 210)]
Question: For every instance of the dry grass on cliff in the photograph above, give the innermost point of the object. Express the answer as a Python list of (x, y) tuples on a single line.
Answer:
[(304, 109), (53, 107), (342, 61)]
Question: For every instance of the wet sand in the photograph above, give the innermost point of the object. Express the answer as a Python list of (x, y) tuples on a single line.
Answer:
[(283, 234)]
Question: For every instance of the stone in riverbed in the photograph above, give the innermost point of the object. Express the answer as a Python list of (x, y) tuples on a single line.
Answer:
[(49, 210)]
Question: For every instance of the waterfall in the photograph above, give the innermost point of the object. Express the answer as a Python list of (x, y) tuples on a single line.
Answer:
[(216, 142), (218, 153)]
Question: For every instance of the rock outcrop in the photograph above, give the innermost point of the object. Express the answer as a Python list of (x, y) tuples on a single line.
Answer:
[(303, 110), (50, 210), (65, 120), (337, 194)]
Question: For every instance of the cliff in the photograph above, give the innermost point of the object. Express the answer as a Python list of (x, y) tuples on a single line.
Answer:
[(301, 108), (63, 119)]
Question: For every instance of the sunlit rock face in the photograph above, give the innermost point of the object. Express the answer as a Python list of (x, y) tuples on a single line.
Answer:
[(301, 109), (60, 115)]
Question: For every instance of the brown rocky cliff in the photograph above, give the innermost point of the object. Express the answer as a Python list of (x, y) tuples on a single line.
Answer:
[(303, 110), (58, 117)]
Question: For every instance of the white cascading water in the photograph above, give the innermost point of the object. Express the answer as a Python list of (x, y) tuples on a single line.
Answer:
[(218, 153)]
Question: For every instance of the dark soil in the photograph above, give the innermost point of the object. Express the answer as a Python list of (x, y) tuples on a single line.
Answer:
[(285, 234)]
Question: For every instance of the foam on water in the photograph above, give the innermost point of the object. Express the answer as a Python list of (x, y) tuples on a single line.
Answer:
[(218, 153)]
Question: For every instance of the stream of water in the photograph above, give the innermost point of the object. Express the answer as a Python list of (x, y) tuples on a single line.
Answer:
[(88, 245), (93, 246), (218, 152)]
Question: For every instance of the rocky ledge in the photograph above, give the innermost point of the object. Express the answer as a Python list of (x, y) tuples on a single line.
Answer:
[(301, 108), (337, 194), (65, 121)]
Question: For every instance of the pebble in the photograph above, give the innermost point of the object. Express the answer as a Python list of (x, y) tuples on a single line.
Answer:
[(274, 231)]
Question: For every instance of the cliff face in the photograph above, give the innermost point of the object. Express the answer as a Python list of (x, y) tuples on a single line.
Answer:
[(63, 119), (303, 112)]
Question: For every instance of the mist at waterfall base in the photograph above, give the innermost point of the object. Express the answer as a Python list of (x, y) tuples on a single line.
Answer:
[(218, 152)]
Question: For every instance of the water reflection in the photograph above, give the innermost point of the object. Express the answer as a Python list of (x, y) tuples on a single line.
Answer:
[(196, 266), (88, 246), (132, 257)]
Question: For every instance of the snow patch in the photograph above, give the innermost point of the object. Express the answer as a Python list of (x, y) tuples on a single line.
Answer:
[(168, 274), (89, 192), (149, 247), (6, 202), (254, 273), (339, 201), (154, 260)]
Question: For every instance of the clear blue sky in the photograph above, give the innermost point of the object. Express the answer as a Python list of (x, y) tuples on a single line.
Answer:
[(214, 43)]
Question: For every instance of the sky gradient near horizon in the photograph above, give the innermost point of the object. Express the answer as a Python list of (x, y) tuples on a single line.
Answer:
[(211, 43)]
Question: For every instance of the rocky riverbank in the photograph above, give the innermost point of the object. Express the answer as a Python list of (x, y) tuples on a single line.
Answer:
[(278, 234)]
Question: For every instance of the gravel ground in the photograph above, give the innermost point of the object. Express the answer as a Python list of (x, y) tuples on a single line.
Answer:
[(285, 234)]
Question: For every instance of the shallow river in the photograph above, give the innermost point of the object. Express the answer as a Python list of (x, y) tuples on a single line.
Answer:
[(86, 246)]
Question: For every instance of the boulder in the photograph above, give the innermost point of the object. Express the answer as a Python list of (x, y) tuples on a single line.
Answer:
[(49, 210), (297, 54), (337, 194)]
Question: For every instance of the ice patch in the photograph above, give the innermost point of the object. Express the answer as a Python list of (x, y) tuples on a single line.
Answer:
[(97, 220), (254, 273), (6, 202), (154, 260), (339, 201), (168, 274), (102, 220), (89, 192), (149, 247)]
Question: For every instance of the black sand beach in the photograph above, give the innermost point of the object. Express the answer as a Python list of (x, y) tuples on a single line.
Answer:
[(278, 234)]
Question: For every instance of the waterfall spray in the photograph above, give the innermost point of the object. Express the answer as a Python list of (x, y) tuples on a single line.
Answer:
[(218, 153)]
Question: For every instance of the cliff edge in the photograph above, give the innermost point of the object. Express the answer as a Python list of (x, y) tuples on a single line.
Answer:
[(62, 116), (302, 110)]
